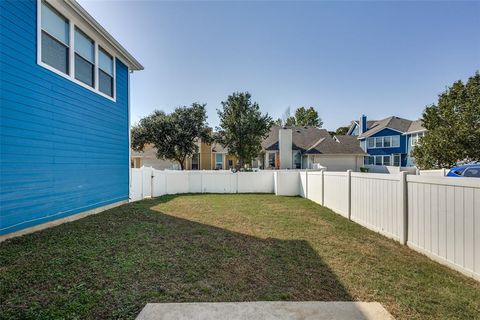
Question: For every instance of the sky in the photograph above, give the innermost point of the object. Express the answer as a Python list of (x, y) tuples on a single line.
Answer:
[(378, 58)]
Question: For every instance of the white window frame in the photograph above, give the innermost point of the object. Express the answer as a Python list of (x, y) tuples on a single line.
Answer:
[(221, 163), (399, 159), (382, 139), (72, 23), (415, 137)]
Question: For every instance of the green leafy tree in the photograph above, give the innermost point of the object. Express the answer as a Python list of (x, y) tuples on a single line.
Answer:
[(242, 127), (341, 130), (173, 135), (453, 127), (307, 117)]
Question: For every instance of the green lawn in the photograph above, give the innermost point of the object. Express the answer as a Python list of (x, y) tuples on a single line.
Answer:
[(220, 248)]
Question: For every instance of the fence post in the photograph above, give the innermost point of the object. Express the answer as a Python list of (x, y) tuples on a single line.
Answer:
[(306, 184), (349, 194), (323, 189), (402, 194)]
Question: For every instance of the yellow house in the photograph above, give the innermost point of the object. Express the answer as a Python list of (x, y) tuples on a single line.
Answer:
[(211, 157)]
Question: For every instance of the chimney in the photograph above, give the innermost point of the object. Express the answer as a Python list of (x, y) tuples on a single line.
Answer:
[(285, 147), (363, 124)]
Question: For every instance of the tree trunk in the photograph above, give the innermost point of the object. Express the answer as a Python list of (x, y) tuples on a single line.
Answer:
[(181, 164)]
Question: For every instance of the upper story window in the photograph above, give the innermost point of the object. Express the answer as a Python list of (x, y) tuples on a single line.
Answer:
[(383, 142), (415, 138), (84, 58), (71, 52), (55, 39)]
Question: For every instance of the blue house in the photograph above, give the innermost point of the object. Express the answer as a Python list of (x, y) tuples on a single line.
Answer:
[(64, 114), (388, 142)]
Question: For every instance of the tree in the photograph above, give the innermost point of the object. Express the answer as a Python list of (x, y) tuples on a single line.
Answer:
[(307, 117), (342, 130), (242, 127), (173, 135), (453, 127)]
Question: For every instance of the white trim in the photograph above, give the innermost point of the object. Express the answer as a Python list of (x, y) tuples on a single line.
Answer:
[(413, 132), (71, 53)]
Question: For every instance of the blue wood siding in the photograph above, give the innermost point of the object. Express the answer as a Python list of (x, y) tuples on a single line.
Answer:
[(63, 148), (402, 150)]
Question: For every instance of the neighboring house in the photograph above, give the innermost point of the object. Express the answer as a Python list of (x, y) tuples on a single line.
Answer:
[(148, 158), (389, 141), (209, 157), (310, 147), (64, 122)]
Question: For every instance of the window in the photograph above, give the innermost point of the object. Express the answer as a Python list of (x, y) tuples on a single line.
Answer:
[(195, 161), (230, 164), (297, 160), (396, 160), (387, 142), (396, 141), (218, 161), (415, 138), (386, 160), (84, 58), (271, 160), (370, 160), (383, 142), (472, 172), (105, 72), (71, 52), (55, 39), (371, 142)]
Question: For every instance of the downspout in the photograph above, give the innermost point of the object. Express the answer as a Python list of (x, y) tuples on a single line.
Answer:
[(129, 139)]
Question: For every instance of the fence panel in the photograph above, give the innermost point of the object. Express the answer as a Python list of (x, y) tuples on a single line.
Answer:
[(444, 220), (255, 182), (287, 183), (335, 191), (315, 187), (376, 203), (136, 185), (158, 183), (177, 182), (219, 182)]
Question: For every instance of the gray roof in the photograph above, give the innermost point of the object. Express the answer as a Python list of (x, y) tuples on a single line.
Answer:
[(395, 123), (416, 126), (302, 137), (340, 144), (312, 140)]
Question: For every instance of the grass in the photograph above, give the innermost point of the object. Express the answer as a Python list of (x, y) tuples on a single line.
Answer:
[(220, 248)]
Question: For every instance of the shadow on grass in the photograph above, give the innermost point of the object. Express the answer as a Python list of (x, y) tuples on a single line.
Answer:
[(110, 265)]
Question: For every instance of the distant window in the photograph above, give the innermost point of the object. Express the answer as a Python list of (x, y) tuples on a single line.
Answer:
[(230, 164), (415, 138), (371, 142), (386, 160), (378, 160), (218, 161), (387, 142), (378, 142), (84, 58), (105, 72), (396, 141), (55, 39), (297, 160), (271, 160), (396, 160), (370, 160), (195, 161)]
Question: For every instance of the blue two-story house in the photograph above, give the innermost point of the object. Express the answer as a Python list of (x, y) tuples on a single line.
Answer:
[(64, 114), (388, 142)]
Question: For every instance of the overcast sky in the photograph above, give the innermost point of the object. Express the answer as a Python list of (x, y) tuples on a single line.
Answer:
[(343, 58)]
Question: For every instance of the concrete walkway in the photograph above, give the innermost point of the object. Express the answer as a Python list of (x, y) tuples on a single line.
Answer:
[(265, 311)]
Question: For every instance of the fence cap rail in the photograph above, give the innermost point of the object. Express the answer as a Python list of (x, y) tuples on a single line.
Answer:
[(446, 181), (379, 176)]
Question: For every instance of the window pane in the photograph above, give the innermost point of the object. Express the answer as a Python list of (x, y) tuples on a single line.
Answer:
[(371, 142), (396, 160), (84, 46), (84, 70), (396, 141), (472, 172), (387, 142), (386, 160), (271, 159), (54, 53), (105, 83), (55, 24), (105, 62), (219, 158), (378, 142)]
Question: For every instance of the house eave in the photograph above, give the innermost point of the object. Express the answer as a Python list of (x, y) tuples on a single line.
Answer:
[(132, 63)]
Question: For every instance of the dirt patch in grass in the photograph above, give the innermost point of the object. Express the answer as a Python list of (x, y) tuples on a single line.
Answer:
[(220, 248)]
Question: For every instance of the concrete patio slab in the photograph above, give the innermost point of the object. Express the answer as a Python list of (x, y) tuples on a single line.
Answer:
[(320, 310)]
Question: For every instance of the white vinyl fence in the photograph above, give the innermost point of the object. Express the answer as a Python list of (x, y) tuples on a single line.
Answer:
[(437, 216)]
